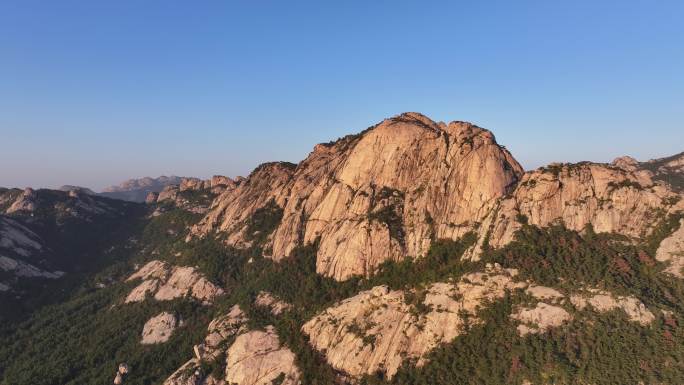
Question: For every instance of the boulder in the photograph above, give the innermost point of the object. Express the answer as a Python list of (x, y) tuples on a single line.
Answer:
[(159, 329)]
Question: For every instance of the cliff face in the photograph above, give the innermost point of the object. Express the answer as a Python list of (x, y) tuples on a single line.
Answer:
[(381, 195), (386, 193), (618, 198)]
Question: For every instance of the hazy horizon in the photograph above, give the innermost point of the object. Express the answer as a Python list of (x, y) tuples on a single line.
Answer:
[(94, 94), (99, 188)]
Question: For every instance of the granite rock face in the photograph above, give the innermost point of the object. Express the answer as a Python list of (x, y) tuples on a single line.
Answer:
[(671, 251), (253, 357), (274, 304), (380, 328), (257, 358), (609, 198), (165, 282), (159, 328), (386, 193), (381, 195), (602, 301), (540, 318)]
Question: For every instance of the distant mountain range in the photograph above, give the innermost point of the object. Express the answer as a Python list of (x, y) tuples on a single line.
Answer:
[(135, 190)]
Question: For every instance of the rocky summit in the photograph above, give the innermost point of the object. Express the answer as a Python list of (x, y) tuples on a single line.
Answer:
[(374, 197), (413, 252)]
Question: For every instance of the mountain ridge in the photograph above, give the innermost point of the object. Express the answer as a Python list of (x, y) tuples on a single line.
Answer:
[(414, 252)]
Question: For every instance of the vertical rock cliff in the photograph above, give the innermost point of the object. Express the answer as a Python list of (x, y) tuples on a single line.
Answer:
[(381, 195)]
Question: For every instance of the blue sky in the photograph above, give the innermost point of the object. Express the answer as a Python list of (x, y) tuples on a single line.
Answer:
[(94, 92)]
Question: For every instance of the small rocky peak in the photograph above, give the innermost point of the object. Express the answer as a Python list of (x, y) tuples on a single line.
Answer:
[(24, 202), (277, 169), (626, 163), (220, 180), (412, 118), (466, 132)]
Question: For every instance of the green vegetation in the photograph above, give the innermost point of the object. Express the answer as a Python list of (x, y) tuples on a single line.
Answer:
[(83, 340), (556, 256), (390, 214), (625, 184), (264, 221)]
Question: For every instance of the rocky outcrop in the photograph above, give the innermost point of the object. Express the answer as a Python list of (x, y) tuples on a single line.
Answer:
[(20, 252), (27, 270), (59, 205), (257, 358), (232, 210), (7, 197), (540, 318), (602, 301), (192, 194), (77, 189), (377, 196), (626, 163), (669, 170), (268, 300), (159, 328), (165, 282), (671, 251), (386, 193), (224, 327), (220, 331), (194, 184), (378, 329), (252, 357), (609, 198), (18, 239), (544, 293), (26, 202)]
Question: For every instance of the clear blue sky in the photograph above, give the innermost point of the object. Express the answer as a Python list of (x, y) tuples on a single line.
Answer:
[(93, 92)]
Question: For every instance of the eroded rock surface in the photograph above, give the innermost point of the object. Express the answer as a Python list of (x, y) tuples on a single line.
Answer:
[(257, 358), (373, 197), (544, 293), (610, 198), (24, 269), (220, 331), (159, 329), (26, 202), (268, 300), (252, 357), (671, 250), (166, 282), (540, 318), (378, 329), (602, 301), (18, 238)]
